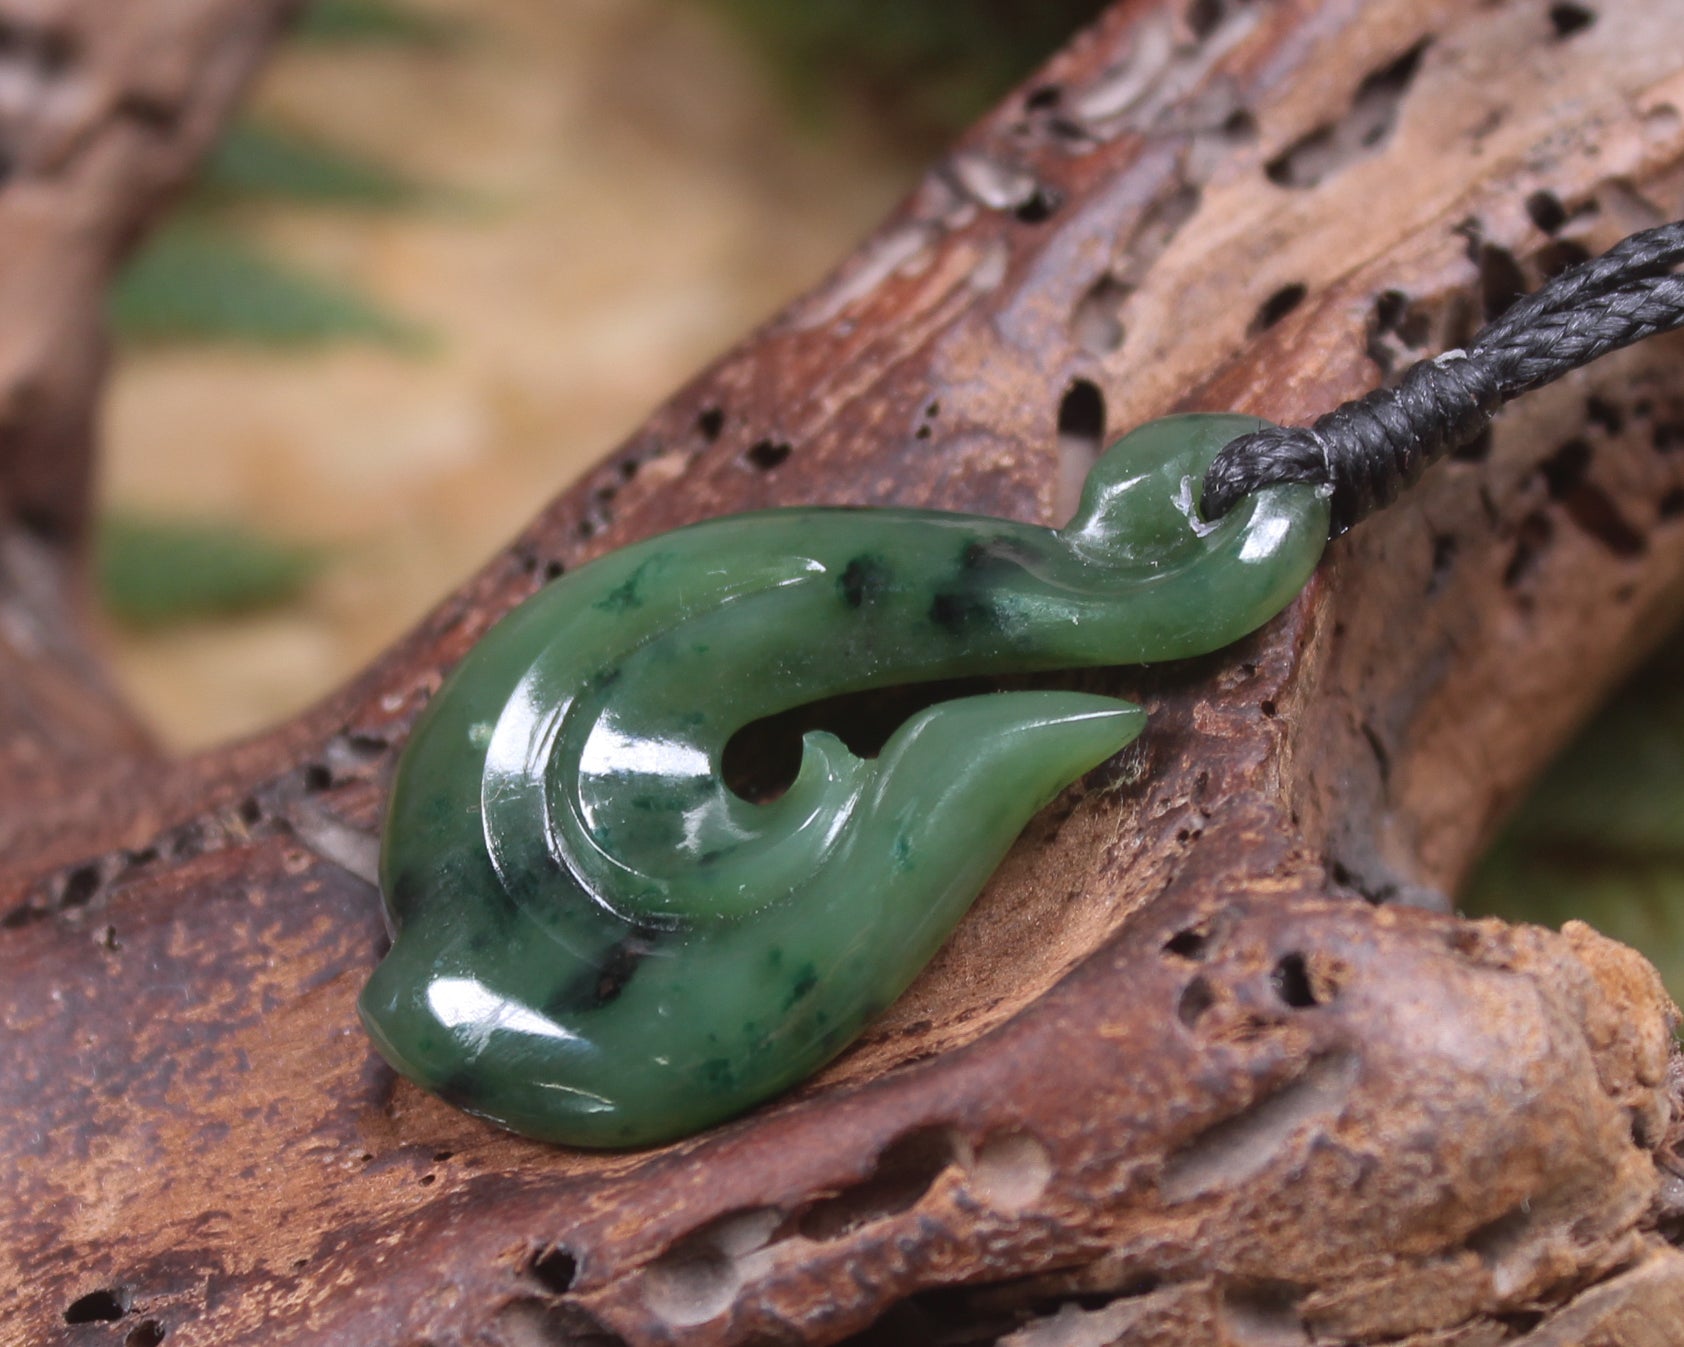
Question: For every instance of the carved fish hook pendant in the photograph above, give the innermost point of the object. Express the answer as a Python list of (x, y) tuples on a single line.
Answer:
[(598, 943)]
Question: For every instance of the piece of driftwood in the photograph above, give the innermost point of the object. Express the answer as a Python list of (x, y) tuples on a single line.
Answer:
[(1210, 1062)]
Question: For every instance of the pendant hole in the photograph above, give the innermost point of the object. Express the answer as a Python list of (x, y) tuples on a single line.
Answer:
[(761, 760)]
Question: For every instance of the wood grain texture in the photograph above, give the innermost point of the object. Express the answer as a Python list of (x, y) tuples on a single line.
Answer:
[(1210, 1062)]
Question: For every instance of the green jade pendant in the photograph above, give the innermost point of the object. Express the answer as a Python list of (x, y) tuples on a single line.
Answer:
[(597, 943)]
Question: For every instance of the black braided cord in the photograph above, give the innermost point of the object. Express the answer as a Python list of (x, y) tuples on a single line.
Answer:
[(1370, 449)]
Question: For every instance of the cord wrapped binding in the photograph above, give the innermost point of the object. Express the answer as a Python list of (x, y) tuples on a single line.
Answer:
[(1370, 449)]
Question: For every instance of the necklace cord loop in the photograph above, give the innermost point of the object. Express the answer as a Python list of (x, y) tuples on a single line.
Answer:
[(1369, 449)]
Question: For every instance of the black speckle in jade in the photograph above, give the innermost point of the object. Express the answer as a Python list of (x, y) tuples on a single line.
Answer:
[(902, 851), (599, 985), (805, 980), (597, 943), (864, 580), (963, 610), (626, 595)]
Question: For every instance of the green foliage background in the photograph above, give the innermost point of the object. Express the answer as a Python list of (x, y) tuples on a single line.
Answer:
[(201, 279), (1601, 837), (153, 572), (926, 67)]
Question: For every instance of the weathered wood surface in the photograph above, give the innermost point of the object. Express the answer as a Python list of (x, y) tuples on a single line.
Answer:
[(1191, 1073)]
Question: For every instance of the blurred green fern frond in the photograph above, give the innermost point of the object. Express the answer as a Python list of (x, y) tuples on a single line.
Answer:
[(152, 572), (193, 282), (1601, 837), (928, 68), (374, 21), (256, 160)]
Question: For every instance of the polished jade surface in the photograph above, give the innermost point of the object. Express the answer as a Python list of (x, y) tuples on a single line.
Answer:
[(598, 943)]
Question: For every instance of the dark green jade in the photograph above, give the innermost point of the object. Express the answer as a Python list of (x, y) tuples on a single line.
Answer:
[(596, 942)]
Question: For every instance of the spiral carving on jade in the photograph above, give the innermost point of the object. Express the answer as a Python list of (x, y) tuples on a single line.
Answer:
[(597, 943)]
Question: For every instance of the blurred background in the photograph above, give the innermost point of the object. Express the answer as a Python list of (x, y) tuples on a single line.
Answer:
[(454, 250)]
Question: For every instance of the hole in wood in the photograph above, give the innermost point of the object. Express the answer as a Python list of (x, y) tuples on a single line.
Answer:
[(699, 1276), (1230, 1152), (147, 1333), (1565, 468), (1532, 540), (1239, 127), (1097, 322), (104, 1306), (1191, 944), (1291, 982), (554, 1269), (1566, 476), (1196, 998), (1546, 211), (692, 1288), (1263, 1314), (1364, 128), (1605, 414), (1444, 561), (1011, 1170), (904, 1172), (1276, 307), (1501, 281), (1039, 206), (767, 454), (1204, 17), (1081, 438), (80, 886), (1568, 18), (1559, 255)]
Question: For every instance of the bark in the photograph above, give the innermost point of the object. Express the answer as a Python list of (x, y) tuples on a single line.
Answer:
[(1211, 1061)]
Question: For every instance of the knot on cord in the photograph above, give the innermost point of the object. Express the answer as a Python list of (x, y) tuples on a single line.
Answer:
[(1368, 450)]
